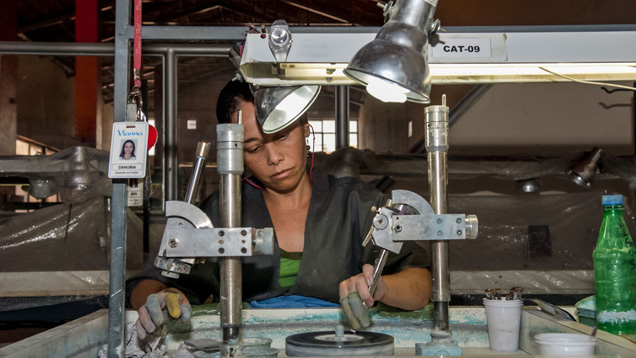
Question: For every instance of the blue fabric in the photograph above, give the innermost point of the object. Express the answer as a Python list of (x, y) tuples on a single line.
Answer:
[(292, 301)]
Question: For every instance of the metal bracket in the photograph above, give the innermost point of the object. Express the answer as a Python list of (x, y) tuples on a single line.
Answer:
[(218, 242), (189, 234), (391, 229)]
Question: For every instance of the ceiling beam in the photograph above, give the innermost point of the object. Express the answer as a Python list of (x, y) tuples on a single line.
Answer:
[(321, 13)]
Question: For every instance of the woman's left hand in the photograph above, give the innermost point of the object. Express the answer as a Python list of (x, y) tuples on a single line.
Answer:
[(360, 283), (355, 297)]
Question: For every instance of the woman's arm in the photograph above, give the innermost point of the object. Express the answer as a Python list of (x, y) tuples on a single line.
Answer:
[(144, 289), (409, 289)]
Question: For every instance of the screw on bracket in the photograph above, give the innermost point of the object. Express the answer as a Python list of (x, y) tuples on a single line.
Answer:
[(173, 242)]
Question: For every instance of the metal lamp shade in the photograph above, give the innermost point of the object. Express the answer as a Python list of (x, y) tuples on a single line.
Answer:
[(396, 58), (393, 63), (278, 107), (583, 171)]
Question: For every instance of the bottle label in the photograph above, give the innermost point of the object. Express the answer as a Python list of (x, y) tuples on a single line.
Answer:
[(613, 317)]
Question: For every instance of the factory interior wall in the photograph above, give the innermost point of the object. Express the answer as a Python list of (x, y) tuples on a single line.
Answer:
[(547, 119), (543, 119), (45, 100)]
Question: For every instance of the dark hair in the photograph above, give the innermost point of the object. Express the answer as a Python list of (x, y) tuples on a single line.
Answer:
[(230, 98), (123, 145)]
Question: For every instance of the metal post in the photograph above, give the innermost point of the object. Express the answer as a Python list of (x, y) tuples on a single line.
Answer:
[(117, 289), (231, 269), (437, 150), (170, 148), (342, 116), (230, 167), (116, 284)]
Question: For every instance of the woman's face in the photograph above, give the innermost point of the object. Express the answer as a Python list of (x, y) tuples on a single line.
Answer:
[(278, 160), (128, 148)]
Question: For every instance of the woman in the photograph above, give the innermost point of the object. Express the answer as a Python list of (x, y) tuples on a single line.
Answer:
[(319, 223), (127, 150)]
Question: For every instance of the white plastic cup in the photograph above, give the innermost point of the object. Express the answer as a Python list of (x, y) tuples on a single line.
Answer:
[(565, 344), (504, 322)]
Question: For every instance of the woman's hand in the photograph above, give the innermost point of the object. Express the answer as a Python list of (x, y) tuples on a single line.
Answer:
[(409, 289), (360, 283), (155, 304), (159, 308), (355, 297)]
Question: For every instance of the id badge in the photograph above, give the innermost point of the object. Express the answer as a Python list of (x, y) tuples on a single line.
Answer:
[(128, 150)]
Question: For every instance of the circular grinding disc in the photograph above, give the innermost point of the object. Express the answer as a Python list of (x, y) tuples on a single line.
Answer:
[(326, 343)]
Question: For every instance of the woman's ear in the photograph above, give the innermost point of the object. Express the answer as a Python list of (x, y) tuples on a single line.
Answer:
[(306, 130)]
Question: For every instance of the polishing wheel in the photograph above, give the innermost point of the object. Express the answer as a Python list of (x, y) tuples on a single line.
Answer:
[(328, 343)]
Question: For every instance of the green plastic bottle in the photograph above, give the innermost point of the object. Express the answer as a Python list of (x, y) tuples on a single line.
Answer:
[(615, 271)]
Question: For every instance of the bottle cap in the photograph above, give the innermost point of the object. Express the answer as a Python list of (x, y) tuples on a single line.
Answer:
[(612, 200)]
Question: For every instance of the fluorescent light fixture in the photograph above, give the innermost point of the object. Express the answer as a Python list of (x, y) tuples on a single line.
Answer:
[(299, 73), (519, 72), (503, 57)]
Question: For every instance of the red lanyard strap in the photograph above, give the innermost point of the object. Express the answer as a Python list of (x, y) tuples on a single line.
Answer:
[(137, 44)]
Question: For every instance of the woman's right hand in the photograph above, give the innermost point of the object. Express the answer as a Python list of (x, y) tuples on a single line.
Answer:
[(160, 305)]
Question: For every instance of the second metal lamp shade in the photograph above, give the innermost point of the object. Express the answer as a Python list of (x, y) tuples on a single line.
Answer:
[(393, 66), (583, 171), (278, 107)]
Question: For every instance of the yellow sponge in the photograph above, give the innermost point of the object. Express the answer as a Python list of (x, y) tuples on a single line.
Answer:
[(172, 303)]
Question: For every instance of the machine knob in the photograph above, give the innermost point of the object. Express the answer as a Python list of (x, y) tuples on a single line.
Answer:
[(472, 226)]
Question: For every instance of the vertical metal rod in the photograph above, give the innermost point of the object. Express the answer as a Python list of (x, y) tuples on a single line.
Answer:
[(632, 186), (230, 167), (231, 269), (116, 288), (116, 285), (202, 153), (170, 148), (122, 60), (377, 270), (146, 183), (437, 149), (342, 116)]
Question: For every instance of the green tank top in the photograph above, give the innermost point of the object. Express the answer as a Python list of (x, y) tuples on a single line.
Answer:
[(289, 265)]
